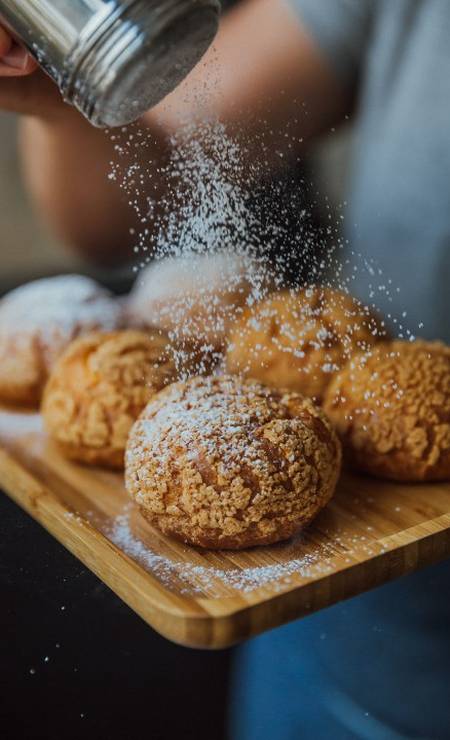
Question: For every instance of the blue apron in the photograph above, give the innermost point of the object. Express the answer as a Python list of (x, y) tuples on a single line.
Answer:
[(376, 667)]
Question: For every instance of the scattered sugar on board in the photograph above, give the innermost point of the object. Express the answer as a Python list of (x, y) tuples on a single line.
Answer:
[(16, 424), (200, 578)]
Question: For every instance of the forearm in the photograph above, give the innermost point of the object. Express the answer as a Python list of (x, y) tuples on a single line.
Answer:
[(66, 163), (264, 78)]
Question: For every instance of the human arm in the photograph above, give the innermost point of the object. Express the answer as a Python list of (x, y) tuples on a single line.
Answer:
[(264, 59)]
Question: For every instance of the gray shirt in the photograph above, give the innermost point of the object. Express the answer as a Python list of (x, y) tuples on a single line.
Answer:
[(397, 52), (377, 667)]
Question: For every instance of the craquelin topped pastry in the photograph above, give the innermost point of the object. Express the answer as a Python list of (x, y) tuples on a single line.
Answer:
[(225, 463), (99, 387), (300, 339), (392, 411), (196, 297)]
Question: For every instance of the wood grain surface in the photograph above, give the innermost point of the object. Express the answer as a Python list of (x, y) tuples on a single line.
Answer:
[(370, 533)]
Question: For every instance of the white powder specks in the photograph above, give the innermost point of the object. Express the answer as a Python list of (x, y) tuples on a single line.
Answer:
[(59, 303), (212, 198), (200, 578), (53, 311)]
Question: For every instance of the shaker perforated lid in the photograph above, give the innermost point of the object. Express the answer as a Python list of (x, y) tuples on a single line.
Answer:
[(141, 58)]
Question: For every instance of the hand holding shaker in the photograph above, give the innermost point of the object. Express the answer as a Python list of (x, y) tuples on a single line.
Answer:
[(113, 59)]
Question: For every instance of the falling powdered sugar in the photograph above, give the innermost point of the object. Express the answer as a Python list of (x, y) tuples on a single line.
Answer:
[(219, 241)]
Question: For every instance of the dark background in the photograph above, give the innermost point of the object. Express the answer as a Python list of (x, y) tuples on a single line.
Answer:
[(76, 662)]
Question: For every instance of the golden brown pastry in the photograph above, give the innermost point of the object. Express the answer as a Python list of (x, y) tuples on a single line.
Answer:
[(38, 321), (194, 298), (298, 340), (224, 463), (98, 389), (392, 410)]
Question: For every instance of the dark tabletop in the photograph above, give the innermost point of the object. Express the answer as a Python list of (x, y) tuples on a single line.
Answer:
[(76, 662)]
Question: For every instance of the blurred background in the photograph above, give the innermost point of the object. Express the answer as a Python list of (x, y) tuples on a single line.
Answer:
[(27, 249)]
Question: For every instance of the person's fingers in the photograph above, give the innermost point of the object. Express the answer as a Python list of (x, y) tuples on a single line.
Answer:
[(15, 61), (30, 94)]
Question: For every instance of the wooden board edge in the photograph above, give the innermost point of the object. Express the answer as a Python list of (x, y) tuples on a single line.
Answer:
[(229, 622), (355, 580), (167, 613)]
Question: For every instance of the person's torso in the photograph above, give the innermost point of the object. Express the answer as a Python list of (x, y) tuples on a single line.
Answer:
[(400, 194), (378, 666)]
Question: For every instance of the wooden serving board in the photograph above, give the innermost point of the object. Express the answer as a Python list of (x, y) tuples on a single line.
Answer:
[(370, 533)]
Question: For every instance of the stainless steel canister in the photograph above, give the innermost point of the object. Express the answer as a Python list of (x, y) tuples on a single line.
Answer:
[(113, 59)]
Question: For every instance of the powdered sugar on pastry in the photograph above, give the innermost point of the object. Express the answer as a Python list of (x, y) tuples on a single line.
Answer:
[(300, 339), (222, 463), (37, 322)]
